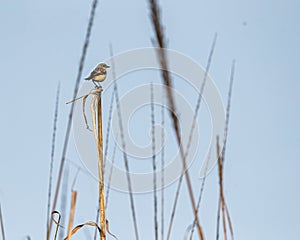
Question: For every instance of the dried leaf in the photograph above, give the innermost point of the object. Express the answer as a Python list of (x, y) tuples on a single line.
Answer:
[(90, 223)]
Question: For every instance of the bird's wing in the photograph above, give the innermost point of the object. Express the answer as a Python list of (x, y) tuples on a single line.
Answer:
[(94, 73)]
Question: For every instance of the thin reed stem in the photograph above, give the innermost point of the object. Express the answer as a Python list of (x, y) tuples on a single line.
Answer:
[(52, 155), (218, 220), (200, 195), (197, 108), (2, 224), (172, 217), (110, 175), (63, 199), (154, 162), (72, 212), (57, 222), (222, 200), (76, 87), (126, 163), (228, 108), (221, 159), (108, 126), (160, 40), (163, 171)]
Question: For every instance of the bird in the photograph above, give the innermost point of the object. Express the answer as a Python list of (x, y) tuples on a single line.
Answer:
[(98, 74)]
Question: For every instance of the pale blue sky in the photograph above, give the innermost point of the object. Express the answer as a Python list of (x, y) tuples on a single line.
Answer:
[(40, 46)]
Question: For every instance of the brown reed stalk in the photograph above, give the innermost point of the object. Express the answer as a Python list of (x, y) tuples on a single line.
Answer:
[(218, 219), (69, 124), (197, 108), (71, 231), (160, 40), (221, 158), (72, 212), (221, 194), (101, 170), (57, 222), (96, 108), (2, 224), (229, 221), (226, 137), (105, 155)]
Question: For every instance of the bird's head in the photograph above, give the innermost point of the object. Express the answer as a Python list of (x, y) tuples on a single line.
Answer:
[(103, 65)]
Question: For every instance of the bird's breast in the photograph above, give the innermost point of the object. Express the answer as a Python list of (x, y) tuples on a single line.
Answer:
[(99, 77)]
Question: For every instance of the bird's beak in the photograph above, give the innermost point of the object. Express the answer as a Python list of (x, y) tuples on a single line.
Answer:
[(107, 66)]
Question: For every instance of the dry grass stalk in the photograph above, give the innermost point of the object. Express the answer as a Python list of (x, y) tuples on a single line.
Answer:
[(125, 157), (221, 194), (200, 195), (160, 40), (110, 175), (222, 207), (78, 227), (52, 154), (108, 127), (69, 124), (108, 231), (84, 97), (197, 108), (96, 109), (154, 162), (71, 231), (187, 231), (218, 220), (72, 212), (94, 91), (163, 170), (63, 200), (2, 224), (57, 222)]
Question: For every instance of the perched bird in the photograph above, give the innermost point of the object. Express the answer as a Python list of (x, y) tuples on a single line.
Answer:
[(98, 74)]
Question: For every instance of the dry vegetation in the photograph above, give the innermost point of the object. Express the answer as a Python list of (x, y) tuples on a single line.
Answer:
[(101, 224)]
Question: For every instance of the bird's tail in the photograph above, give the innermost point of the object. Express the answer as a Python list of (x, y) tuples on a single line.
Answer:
[(88, 78)]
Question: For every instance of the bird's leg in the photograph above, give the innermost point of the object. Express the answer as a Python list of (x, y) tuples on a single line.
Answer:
[(98, 85), (94, 83)]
